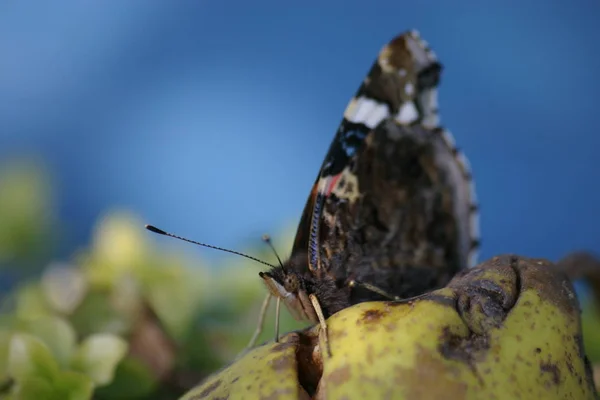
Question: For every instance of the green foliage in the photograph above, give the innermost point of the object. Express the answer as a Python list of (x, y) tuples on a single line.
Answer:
[(591, 330), (37, 374), (25, 212), (121, 318), (98, 355)]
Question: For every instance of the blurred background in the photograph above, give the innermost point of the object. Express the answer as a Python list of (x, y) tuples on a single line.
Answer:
[(211, 119)]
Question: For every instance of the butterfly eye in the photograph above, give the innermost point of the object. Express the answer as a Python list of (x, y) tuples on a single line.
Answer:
[(290, 283)]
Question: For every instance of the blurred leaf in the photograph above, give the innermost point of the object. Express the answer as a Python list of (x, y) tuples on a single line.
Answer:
[(31, 302), (590, 322), (96, 314), (118, 249), (173, 293), (25, 212), (64, 286), (73, 386), (133, 380), (29, 357), (126, 296), (56, 333), (100, 274), (199, 319), (119, 240), (237, 286), (5, 337), (66, 386), (200, 355), (98, 356), (33, 387)]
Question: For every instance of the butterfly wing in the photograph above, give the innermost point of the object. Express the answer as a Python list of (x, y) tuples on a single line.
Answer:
[(394, 197)]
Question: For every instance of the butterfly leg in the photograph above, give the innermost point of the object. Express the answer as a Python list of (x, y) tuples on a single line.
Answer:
[(323, 337), (260, 324), (373, 289), (277, 309), (383, 293)]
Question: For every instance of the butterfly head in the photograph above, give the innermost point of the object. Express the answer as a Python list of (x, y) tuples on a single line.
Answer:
[(290, 287)]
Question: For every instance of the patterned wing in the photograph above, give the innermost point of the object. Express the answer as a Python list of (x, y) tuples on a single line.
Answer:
[(394, 197)]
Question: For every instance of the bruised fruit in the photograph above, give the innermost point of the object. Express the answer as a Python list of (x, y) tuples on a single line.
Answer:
[(507, 329)]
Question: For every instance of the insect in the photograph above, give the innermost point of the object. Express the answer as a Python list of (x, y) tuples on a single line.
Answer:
[(392, 213)]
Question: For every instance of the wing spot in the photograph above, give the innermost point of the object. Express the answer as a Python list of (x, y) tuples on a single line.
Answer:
[(408, 113), (367, 111)]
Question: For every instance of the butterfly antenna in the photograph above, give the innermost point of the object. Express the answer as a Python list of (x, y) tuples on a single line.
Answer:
[(154, 229), (267, 240)]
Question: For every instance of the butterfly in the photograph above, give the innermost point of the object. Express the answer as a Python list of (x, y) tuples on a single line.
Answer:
[(392, 213)]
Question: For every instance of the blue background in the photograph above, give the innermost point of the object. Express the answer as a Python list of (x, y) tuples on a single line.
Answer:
[(211, 118)]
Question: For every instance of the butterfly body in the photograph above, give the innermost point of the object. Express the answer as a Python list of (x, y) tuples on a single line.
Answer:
[(393, 205)]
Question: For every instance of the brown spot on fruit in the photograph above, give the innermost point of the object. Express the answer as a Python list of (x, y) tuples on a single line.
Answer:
[(335, 334), (371, 316), (553, 370), (339, 376), (469, 349), (281, 363), (436, 380), (370, 354), (391, 327), (278, 394), (465, 349)]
